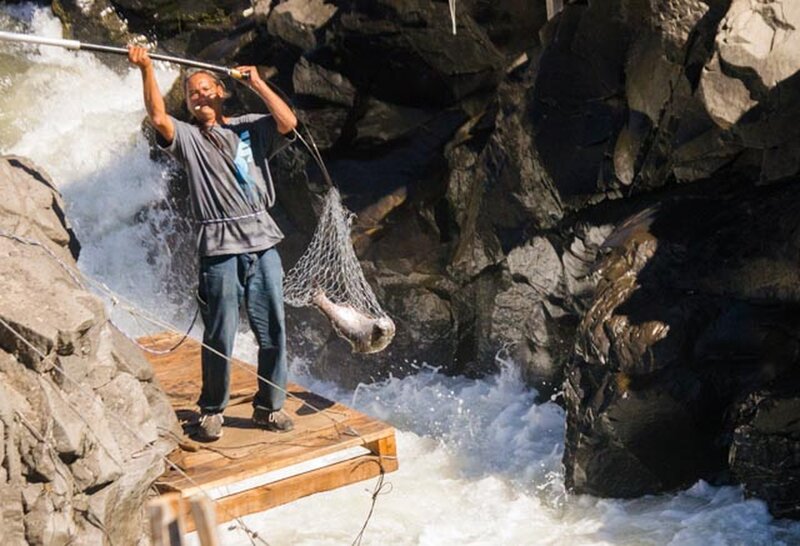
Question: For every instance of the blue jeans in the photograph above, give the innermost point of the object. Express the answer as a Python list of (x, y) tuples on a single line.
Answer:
[(225, 281)]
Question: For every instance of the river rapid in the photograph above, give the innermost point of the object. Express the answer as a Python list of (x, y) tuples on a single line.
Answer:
[(479, 460)]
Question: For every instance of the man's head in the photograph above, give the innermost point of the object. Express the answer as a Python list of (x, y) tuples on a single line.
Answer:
[(205, 94)]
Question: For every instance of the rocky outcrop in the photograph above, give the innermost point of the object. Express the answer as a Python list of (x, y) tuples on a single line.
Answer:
[(693, 321), (83, 424)]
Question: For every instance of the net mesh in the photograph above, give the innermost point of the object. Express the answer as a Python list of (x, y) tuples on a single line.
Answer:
[(330, 264)]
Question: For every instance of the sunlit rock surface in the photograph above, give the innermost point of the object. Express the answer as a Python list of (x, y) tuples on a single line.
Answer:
[(72, 393)]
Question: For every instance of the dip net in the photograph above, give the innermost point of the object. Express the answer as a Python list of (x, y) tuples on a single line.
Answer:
[(330, 264)]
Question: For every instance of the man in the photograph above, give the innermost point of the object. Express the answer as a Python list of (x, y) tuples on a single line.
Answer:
[(231, 188)]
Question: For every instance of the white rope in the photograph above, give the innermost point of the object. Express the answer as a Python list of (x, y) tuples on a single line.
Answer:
[(452, 4)]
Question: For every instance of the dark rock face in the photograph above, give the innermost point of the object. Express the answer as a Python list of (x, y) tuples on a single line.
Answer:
[(694, 310), (70, 472), (766, 448)]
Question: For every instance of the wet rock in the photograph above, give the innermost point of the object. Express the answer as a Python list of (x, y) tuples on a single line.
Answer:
[(97, 21), (689, 317), (766, 448)]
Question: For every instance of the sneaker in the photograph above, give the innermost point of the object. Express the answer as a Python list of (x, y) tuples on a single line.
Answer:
[(276, 421), (210, 427)]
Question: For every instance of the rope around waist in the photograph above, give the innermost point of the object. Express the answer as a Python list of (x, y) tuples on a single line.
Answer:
[(207, 221)]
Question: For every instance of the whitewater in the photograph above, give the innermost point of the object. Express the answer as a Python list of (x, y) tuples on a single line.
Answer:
[(480, 462)]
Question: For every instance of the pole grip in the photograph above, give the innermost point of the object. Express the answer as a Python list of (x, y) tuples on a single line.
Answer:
[(235, 74)]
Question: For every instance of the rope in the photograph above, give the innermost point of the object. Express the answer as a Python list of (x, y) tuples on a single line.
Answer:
[(75, 277), (127, 306), (119, 420), (379, 485), (116, 299)]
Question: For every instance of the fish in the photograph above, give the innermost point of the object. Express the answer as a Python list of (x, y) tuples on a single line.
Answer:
[(364, 333)]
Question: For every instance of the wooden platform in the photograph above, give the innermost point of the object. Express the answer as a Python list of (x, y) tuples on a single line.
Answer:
[(250, 470)]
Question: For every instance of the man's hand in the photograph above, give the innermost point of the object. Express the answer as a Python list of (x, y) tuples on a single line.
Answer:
[(138, 56), (249, 75)]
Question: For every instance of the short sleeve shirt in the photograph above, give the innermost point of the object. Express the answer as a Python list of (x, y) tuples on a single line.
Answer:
[(230, 184)]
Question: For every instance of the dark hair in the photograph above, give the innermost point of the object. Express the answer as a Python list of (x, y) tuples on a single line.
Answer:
[(217, 81)]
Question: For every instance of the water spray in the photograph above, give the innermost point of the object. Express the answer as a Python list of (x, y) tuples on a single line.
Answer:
[(76, 45)]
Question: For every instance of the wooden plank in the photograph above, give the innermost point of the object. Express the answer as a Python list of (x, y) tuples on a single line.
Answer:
[(290, 489), (166, 520), (204, 519), (249, 456), (218, 471)]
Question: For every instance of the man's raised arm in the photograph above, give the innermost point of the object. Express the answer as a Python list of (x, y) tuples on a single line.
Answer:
[(153, 101), (284, 117)]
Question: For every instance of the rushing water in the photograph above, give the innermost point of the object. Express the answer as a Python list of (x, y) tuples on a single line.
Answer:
[(479, 461)]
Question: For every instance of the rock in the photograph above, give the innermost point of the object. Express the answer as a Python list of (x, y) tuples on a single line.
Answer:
[(382, 123), (579, 259), (761, 39), (413, 57), (297, 21), (97, 21), (649, 77), (70, 466), (171, 17), (766, 448), (575, 116), (675, 337), (532, 335), (538, 264), (325, 124), (35, 197), (672, 20), (317, 82), (726, 99), (511, 25)]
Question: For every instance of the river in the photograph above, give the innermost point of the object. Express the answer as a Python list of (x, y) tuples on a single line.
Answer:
[(479, 461)]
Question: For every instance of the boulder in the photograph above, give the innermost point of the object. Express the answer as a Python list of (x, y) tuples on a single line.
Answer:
[(404, 53), (312, 80), (298, 21)]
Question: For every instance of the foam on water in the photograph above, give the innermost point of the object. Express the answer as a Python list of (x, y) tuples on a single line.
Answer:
[(479, 461)]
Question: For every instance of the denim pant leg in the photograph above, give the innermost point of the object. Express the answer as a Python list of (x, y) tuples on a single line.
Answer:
[(264, 296), (219, 292)]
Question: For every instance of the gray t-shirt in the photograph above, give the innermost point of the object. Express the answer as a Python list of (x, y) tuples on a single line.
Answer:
[(230, 184)]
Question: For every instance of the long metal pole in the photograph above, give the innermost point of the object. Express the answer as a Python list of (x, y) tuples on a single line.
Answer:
[(75, 44)]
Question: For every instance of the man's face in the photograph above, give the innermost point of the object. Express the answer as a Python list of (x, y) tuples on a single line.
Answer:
[(204, 97)]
